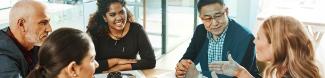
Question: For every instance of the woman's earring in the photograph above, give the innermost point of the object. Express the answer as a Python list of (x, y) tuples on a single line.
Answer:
[(74, 75), (105, 19)]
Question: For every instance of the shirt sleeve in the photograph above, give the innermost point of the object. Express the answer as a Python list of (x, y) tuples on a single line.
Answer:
[(8, 68), (250, 62), (103, 65), (146, 52), (196, 44)]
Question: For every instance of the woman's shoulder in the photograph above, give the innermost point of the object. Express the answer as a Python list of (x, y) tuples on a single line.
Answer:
[(136, 25)]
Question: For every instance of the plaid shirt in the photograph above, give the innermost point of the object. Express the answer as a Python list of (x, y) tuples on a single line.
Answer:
[(215, 46)]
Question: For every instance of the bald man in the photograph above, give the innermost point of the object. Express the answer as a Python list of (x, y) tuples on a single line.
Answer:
[(29, 26)]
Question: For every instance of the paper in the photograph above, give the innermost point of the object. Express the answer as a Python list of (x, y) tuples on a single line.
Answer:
[(214, 74)]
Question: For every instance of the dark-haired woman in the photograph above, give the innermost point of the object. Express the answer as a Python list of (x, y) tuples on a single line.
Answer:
[(66, 53), (118, 39)]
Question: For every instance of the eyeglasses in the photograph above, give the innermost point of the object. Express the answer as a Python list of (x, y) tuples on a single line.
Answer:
[(214, 16)]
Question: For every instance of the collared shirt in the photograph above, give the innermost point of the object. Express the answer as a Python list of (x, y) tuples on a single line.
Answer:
[(215, 46), (29, 55)]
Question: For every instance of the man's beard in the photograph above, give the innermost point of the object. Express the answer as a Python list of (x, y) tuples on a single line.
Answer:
[(33, 39)]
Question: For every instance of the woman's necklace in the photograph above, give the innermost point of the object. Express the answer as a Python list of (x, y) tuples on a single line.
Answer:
[(119, 37), (116, 37)]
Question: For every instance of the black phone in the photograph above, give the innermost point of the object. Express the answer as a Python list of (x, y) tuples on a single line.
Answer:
[(120, 75)]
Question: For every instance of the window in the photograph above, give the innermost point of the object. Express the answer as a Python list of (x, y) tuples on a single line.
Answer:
[(310, 12)]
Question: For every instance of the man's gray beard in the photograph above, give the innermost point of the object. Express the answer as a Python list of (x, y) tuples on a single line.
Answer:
[(32, 38)]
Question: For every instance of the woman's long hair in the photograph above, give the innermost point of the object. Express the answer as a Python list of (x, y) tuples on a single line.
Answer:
[(294, 54), (97, 25), (62, 47)]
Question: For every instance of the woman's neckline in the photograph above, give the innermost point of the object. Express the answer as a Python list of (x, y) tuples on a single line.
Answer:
[(125, 30)]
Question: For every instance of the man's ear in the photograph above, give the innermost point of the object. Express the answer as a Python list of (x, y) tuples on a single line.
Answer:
[(21, 24), (227, 10), (73, 69)]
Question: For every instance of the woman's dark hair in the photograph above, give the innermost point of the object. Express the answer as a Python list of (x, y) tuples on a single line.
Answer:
[(61, 48), (202, 3), (97, 23)]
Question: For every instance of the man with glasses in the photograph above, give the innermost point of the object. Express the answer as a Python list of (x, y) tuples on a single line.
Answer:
[(213, 40)]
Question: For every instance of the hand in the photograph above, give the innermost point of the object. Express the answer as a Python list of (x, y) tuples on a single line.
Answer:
[(229, 68), (192, 72), (182, 67)]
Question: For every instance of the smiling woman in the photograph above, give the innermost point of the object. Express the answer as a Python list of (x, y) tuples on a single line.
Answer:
[(118, 39)]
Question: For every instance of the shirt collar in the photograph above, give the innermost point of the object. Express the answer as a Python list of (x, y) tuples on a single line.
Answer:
[(21, 47), (210, 36)]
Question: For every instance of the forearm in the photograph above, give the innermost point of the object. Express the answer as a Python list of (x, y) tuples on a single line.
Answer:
[(144, 64), (243, 74), (112, 62), (105, 64), (120, 67)]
